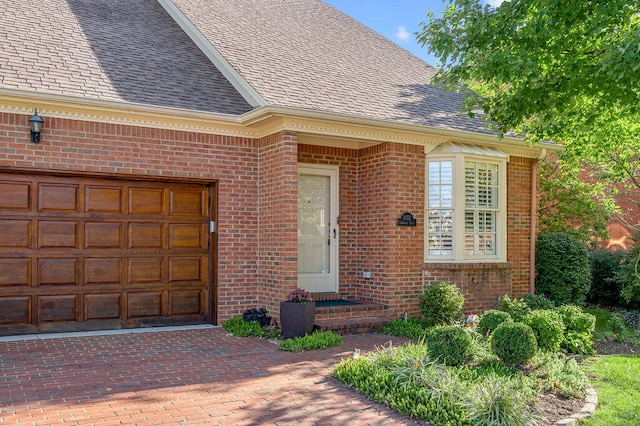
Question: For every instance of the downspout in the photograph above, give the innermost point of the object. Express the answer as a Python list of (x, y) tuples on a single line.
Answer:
[(534, 221)]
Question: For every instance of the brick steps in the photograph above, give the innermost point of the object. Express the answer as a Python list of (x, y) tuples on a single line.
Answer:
[(359, 316)]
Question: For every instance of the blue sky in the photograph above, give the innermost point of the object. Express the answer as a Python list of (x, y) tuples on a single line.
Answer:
[(397, 20)]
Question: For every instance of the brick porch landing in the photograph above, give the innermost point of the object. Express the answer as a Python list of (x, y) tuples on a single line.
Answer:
[(355, 317)]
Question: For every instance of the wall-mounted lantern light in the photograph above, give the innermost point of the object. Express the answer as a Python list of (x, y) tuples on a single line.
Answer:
[(36, 122)]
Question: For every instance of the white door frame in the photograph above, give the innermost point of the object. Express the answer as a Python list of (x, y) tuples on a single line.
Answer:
[(326, 282)]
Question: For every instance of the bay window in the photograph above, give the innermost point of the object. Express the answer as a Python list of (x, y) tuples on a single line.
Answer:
[(465, 204)]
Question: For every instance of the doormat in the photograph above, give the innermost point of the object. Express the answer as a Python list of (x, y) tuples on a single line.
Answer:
[(335, 303)]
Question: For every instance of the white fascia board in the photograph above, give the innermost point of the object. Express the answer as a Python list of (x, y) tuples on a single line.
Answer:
[(237, 81)]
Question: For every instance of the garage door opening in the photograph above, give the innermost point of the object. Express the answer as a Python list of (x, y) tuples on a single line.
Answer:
[(81, 253)]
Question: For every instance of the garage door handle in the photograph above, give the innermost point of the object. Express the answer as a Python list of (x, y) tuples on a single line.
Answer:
[(212, 226)]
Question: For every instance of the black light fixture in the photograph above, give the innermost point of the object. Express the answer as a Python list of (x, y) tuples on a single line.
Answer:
[(36, 122)]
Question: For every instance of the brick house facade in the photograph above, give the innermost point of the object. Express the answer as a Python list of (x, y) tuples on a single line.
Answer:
[(240, 174)]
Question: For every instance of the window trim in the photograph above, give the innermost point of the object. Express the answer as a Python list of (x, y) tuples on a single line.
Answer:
[(459, 154)]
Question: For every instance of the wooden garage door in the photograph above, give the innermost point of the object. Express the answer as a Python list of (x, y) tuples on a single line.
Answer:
[(82, 254)]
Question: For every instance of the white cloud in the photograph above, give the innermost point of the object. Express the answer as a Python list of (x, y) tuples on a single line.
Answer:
[(402, 34), (494, 3)]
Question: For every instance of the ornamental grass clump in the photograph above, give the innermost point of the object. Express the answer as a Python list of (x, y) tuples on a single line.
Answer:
[(514, 342)]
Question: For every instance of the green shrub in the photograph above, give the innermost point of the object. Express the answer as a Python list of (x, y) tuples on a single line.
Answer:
[(606, 267), (441, 304), (579, 327), (616, 323), (490, 320), (239, 327), (317, 340), (514, 342), (514, 307), (411, 329), (537, 301), (450, 345), (630, 276), (563, 266), (575, 319), (548, 327)]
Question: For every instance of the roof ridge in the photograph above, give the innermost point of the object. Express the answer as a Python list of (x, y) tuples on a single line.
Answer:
[(246, 90)]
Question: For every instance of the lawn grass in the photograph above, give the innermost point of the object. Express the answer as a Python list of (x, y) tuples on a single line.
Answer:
[(617, 383)]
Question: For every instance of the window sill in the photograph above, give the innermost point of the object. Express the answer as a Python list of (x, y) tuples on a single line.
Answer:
[(430, 265)]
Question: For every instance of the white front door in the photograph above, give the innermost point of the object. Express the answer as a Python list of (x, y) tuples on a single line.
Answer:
[(318, 232)]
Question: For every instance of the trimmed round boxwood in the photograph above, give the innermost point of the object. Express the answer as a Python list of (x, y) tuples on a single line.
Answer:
[(492, 319), (450, 345), (548, 327), (514, 342)]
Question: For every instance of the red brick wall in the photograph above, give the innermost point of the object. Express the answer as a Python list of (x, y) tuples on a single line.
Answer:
[(130, 151), (382, 182), (519, 221), (278, 219)]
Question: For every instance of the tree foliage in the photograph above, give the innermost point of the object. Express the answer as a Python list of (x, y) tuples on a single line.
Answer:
[(549, 70)]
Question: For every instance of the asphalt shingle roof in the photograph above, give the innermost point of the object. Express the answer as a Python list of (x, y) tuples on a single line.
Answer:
[(295, 53), (128, 50), (307, 54)]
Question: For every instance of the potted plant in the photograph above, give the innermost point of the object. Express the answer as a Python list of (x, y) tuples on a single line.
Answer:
[(297, 314)]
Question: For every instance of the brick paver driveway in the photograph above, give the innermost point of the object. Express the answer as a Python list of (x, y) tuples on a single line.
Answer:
[(182, 377)]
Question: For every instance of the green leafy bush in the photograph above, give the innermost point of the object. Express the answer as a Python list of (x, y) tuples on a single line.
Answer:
[(441, 304), (548, 327), (450, 345), (490, 320), (411, 329), (616, 323), (606, 267), (579, 327), (514, 342), (630, 276), (537, 301), (563, 266), (317, 340), (514, 307)]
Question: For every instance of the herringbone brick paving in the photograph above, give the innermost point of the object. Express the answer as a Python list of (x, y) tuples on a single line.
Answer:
[(181, 377)]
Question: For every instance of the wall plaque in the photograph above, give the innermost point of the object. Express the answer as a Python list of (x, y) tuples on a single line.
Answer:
[(406, 219)]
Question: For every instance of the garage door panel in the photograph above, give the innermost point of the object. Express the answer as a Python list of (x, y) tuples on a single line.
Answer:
[(103, 199), (187, 235), (103, 270), (57, 197), (15, 310), (15, 272), (58, 308), (102, 306), (84, 253), (15, 234), (57, 234), (15, 196), (146, 235), (147, 304), (146, 201), (58, 271), (185, 269), (145, 270), (185, 202), (185, 302), (103, 235)]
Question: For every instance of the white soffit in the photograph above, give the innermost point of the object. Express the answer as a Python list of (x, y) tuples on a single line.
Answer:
[(458, 148)]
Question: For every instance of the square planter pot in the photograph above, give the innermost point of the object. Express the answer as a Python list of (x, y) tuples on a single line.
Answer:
[(296, 319)]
